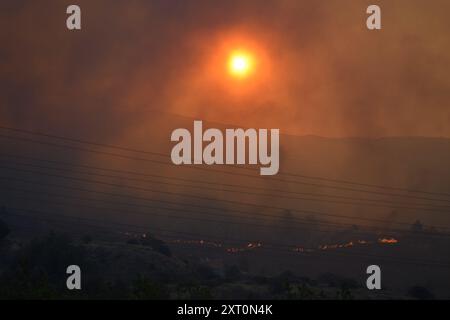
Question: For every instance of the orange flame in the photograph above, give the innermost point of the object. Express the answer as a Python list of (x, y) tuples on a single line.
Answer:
[(387, 240)]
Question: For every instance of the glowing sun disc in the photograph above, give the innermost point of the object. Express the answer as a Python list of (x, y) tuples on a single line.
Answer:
[(240, 64)]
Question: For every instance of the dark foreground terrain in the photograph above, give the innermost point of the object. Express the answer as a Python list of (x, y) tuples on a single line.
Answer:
[(130, 266)]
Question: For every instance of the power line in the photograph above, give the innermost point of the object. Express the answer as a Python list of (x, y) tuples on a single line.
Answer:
[(291, 227), (430, 208), (201, 197), (283, 208), (96, 144), (303, 222), (249, 213), (135, 197), (196, 181), (111, 146), (216, 170)]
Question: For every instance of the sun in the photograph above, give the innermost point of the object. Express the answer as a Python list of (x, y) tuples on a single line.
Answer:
[(240, 64)]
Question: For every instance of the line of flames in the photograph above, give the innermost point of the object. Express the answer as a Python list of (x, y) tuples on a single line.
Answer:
[(255, 245)]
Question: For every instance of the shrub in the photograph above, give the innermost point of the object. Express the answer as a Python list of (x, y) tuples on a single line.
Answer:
[(39, 270), (146, 289), (421, 293), (156, 244)]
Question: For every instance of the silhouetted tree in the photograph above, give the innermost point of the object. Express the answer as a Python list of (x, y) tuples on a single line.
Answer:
[(156, 244), (421, 293)]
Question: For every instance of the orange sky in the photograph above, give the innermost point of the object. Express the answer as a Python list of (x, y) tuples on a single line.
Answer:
[(319, 70)]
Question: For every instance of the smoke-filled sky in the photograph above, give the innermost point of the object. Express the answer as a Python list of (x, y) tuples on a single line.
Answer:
[(320, 71)]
